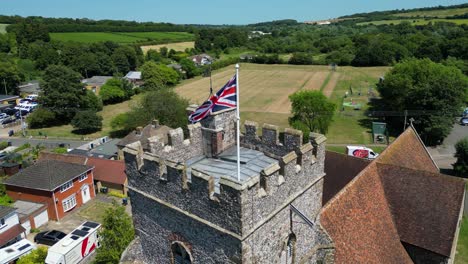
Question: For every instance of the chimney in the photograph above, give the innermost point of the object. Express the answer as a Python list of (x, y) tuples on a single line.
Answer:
[(155, 123), (138, 130)]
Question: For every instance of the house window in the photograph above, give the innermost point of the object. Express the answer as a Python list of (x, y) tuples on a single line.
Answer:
[(83, 177), (180, 255), (66, 186), (69, 203)]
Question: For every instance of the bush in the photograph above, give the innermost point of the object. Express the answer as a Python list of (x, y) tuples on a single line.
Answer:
[(86, 122), (41, 118), (60, 150), (117, 194), (36, 256), (3, 145), (461, 165), (35, 230)]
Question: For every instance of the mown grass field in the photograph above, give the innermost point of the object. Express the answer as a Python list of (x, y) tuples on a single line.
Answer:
[(435, 13), (415, 21), (122, 37), (264, 91), (108, 112), (178, 46), (3, 28)]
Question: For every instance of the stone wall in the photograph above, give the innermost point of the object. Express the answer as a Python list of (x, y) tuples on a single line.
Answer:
[(158, 226), (178, 149), (268, 244), (169, 184)]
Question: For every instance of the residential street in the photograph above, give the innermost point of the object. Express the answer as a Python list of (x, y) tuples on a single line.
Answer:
[(443, 155)]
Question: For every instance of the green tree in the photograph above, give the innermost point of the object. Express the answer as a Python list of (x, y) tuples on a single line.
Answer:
[(165, 105), (40, 118), (37, 256), (422, 86), (189, 67), (9, 76), (62, 93), (112, 92), (166, 75), (311, 111), (86, 122), (116, 233), (91, 102), (461, 165)]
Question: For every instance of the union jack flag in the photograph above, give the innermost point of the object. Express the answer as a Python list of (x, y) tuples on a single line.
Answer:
[(225, 98)]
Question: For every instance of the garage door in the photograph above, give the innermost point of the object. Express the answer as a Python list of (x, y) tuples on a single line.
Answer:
[(41, 219), (27, 226)]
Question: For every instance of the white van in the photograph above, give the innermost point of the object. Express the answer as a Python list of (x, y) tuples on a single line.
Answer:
[(361, 152)]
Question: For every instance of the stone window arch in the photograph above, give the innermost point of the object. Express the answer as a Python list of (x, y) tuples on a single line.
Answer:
[(180, 253)]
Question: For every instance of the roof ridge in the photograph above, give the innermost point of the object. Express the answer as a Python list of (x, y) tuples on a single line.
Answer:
[(422, 143)]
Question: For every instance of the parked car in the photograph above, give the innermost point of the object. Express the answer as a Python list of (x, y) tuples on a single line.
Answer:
[(6, 120), (464, 121), (361, 152), (49, 237), (21, 113), (10, 111), (3, 116)]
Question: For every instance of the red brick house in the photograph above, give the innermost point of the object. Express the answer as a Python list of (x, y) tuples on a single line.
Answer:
[(106, 173), (62, 186)]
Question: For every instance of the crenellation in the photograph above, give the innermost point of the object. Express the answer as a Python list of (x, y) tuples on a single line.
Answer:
[(252, 211), (270, 134), (176, 137), (292, 138)]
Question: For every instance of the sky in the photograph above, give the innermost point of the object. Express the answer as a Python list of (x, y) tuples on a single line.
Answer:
[(207, 11)]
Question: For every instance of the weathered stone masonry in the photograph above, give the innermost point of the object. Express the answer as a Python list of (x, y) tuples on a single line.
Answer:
[(245, 222)]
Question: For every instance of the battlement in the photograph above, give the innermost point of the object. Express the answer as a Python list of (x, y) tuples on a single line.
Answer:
[(178, 148), (199, 173)]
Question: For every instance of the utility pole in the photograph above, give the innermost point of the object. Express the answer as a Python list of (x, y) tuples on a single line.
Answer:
[(404, 124), (4, 84)]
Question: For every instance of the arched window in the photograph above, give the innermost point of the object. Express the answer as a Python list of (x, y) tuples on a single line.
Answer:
[(180, 254)]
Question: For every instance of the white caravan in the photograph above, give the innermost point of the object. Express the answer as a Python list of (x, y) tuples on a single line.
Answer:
[(76, 246), (15, 251)]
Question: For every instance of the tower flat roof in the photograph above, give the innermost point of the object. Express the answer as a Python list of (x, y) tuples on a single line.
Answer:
[(252, 162)]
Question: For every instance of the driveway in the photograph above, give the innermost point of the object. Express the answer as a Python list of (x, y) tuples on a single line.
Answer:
[(91, 211), (443, 155)]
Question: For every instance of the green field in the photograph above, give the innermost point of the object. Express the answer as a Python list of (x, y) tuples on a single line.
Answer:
[(435, 13), (122, 37), (264, 91), (3, 28), (415, 21)]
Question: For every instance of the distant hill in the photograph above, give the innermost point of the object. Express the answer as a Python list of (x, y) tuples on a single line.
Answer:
[(457, 14)]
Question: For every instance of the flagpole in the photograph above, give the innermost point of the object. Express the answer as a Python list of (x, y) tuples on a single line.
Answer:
[(238, 121)]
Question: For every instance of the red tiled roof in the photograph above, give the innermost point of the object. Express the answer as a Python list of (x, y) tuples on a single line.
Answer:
[(105, 170), (360, 223), (340, 169), (408, 151), (62, 157), (11, 233), (425, 206), (400, 196)]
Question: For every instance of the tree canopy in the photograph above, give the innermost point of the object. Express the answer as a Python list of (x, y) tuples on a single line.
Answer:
[(461, 165), (63, 93), (432, 93), (165, 105), (311, 111), (116, 233), (86, 122)]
